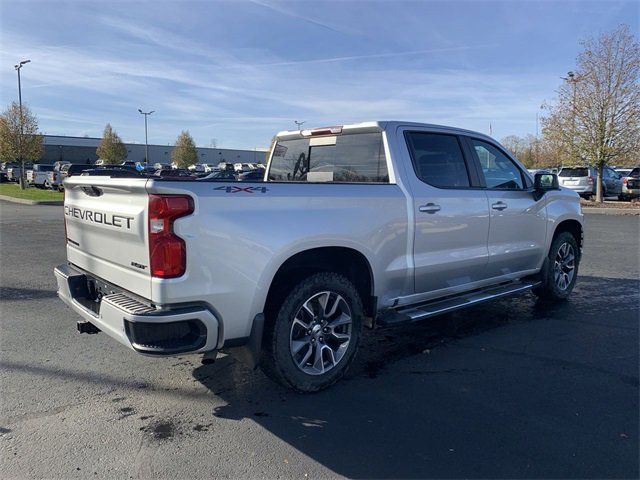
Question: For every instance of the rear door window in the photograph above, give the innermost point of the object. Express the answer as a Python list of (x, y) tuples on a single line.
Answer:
[(438, 159), (348, 158)]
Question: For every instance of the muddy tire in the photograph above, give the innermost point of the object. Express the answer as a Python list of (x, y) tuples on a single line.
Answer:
[(560, 271), (315, 334)]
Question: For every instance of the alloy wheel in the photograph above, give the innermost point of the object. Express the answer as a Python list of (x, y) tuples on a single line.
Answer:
[(564, 266), (320, 333)]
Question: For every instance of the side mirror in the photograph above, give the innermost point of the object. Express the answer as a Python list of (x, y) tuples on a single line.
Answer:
[(543, 182)]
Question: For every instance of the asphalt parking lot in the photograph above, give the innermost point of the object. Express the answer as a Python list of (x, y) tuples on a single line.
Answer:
[(509, 389)]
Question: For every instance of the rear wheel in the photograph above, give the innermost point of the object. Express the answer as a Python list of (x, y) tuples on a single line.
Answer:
[(315, 334), (560, 271)]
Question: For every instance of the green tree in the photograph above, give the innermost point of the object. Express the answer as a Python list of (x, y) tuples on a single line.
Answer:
[(184, 152), (111, 149), (19, 137), (596, 116)]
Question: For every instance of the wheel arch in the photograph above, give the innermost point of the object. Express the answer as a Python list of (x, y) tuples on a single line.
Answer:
[(347, 261), (572, 226)]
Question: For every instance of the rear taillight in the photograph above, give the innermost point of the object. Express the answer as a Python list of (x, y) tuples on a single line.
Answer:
[(590, 180), (167, 251)]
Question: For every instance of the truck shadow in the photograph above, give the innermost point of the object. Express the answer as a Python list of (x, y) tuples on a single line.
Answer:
[(443, 414)]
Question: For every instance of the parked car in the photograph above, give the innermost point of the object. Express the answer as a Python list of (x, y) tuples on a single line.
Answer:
[(66, 171), (39, 175), (4, 167), (256, 175), (203, 168), (582, 179), (243, 167), (174, 173), (112, 171), (220, 176), (15, 169), (373, 224), (631, 185), (623, 171)]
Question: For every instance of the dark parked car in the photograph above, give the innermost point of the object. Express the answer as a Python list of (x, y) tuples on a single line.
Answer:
[(113, 171), (252, 176), (181, 173), (221, 176)]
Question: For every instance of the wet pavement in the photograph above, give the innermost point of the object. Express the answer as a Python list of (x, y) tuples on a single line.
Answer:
[(514, 388)]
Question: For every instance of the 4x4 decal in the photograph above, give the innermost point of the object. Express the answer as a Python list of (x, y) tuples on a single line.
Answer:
[(234, 189)]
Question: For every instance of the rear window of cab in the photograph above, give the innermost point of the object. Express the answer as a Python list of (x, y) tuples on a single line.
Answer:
[(347, 158)]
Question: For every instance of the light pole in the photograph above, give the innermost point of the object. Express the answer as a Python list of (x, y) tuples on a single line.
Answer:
[(573, 80), (146, 141), (298, 124), (22, 172)]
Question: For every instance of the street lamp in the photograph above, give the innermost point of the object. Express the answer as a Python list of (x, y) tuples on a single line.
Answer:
[(22, 172), (299, 124), (573, 80), (146, 141)]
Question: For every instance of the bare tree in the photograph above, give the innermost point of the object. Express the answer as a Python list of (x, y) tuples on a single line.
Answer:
[(16, 143), (596, 116), (526, 149)]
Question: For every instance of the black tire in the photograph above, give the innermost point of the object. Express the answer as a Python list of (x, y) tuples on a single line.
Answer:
[(550, 289), (277, 360)]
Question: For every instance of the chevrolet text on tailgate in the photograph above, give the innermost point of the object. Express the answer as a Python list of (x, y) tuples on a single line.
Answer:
[(354, 226)]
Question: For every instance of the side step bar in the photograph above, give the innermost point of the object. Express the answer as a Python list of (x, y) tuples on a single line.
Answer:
[(415, 313)]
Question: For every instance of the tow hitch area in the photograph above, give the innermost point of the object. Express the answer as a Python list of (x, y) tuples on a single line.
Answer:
[(87, 327)]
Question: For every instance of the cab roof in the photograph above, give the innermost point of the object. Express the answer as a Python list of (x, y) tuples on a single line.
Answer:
[(377, 126)]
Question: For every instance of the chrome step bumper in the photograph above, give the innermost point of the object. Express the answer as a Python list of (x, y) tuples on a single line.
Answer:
[(141, 327)]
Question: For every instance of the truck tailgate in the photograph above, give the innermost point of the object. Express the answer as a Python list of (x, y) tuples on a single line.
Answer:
[(106, 225)]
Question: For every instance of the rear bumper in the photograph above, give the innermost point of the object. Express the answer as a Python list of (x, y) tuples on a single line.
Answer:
[(581, 188), (142, 328)]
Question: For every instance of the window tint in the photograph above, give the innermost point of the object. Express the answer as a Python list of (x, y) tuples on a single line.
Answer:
[(438, 160), (574, 172), (634, 173), (357, 157), (499, 171), (612, 173)]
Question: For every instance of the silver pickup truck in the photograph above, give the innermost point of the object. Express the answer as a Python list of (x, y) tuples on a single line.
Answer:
[(365, 225)]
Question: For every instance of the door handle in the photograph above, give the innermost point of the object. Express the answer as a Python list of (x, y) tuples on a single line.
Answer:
[(429, 208), (499, 205)]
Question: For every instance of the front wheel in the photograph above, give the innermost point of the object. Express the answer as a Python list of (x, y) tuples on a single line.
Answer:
[(560, 271), (315, 334)]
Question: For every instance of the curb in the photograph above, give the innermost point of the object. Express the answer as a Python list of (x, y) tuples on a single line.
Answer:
[(611, 211), (24, 201)]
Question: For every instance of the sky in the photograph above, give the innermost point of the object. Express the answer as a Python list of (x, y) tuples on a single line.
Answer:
[(234, 73)]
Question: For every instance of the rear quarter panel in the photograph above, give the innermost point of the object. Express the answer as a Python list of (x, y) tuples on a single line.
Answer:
[(241, 233)]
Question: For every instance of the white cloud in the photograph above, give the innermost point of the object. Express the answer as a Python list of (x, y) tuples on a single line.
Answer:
[(243, 102)]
